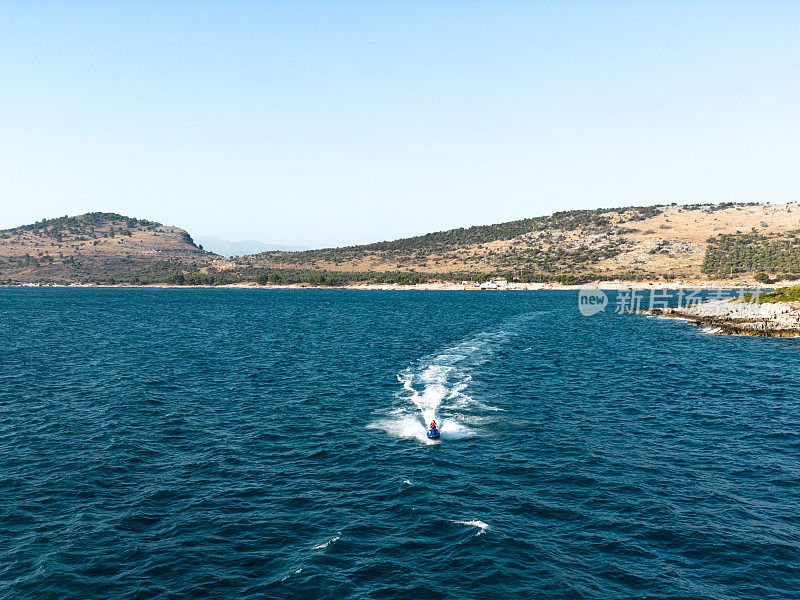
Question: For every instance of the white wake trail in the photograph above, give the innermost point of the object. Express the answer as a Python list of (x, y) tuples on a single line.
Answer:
[(438, 387)]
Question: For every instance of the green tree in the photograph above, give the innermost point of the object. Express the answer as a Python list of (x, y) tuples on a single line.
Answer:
[(762, 277)]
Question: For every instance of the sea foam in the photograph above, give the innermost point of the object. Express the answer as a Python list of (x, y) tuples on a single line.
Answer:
[(439, 387), (482, 527), (328, 543)]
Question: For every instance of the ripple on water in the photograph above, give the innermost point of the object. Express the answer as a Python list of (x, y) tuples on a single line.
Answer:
[(227, 444)]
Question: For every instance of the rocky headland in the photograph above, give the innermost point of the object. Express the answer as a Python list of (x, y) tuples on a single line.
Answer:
[(773, 314)]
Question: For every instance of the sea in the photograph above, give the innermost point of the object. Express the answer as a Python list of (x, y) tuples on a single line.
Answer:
[(262, 443)]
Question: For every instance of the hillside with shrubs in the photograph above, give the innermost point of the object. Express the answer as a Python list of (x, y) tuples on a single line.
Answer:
[(686, 243)]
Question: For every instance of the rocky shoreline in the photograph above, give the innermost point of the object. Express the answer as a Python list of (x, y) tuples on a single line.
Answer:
[(739, 317)]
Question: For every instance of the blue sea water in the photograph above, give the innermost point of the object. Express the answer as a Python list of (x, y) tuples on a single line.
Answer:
[(201, 443)]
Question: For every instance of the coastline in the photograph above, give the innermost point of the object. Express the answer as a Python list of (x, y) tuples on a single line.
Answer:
[(440, 286), (727, 317)]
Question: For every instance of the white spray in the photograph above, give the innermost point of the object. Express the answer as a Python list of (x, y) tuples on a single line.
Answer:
[(437, 388)]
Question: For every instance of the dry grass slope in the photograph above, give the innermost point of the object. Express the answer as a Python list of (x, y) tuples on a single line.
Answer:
[(71, 249), (646, 242), (687, 243)]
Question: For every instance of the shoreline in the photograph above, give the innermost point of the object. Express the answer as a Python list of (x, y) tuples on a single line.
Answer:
[(725, 317), (441, 286)]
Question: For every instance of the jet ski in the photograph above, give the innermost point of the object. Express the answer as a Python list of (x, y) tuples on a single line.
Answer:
[(433, 433)]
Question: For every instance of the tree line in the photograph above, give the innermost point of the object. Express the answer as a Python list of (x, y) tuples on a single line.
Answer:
[(733, 254), (176, 273)]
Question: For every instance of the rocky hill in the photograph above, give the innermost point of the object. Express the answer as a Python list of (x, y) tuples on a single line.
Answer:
[(91, 247)]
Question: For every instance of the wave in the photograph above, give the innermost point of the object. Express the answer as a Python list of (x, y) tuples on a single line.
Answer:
[(328, 543), (482, 527), (295, 572)]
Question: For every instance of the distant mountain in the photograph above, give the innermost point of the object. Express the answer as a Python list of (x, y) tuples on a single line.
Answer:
[(228, 248)]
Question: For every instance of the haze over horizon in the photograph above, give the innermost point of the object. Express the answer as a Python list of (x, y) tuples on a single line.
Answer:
[(330, 124)]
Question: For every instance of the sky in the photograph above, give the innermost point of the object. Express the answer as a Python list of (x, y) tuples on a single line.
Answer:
[(333, 123)]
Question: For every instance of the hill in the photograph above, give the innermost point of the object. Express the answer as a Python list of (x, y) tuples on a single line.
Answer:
[(688, 243), (634, 243), (91, 247)]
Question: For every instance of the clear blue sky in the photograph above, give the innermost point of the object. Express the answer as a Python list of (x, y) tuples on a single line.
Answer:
[(328, 123)]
